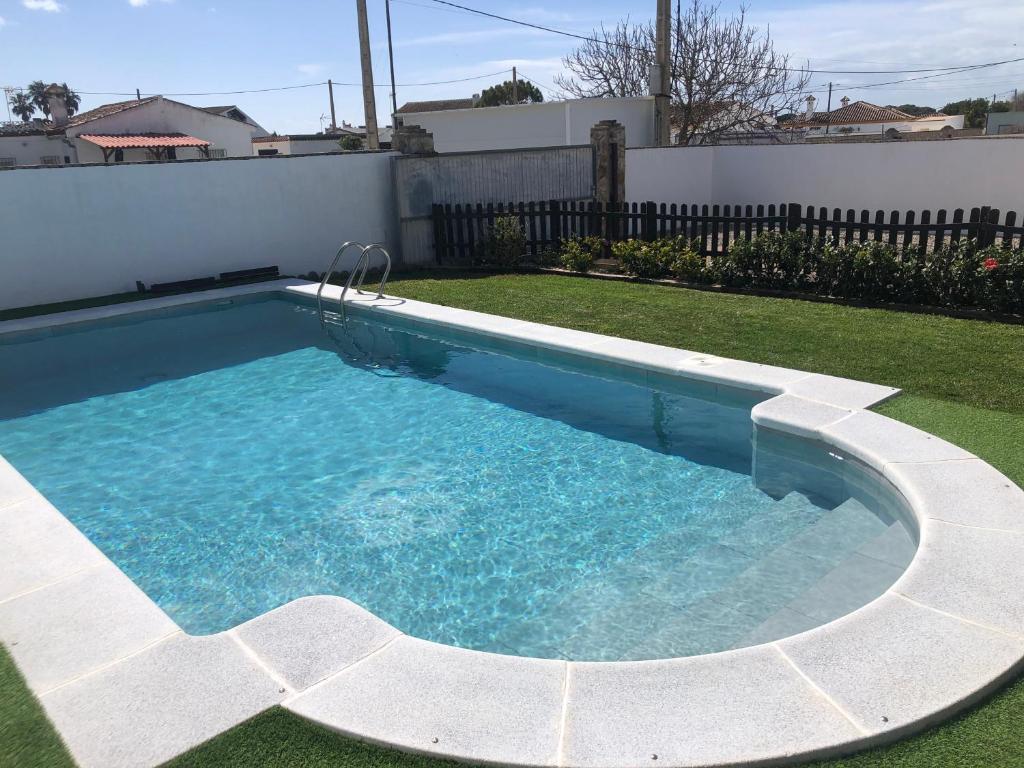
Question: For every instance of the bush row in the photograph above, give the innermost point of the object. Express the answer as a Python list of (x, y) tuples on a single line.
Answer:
[(956, 275)]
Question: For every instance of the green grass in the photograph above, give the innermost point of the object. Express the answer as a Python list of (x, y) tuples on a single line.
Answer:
[(27, 740), (964, 381)]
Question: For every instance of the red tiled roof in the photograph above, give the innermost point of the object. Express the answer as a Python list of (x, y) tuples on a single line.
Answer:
[(438, 105), (143, 140), (858, 112), (106, 111)]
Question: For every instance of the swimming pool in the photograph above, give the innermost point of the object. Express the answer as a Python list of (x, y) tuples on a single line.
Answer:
[(468, 491)]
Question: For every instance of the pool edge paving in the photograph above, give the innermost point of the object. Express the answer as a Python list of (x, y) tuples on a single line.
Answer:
[(131, 689)]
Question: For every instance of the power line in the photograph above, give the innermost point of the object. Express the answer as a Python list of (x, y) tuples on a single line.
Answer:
[(296, 87), (808, 70), (540, 85)]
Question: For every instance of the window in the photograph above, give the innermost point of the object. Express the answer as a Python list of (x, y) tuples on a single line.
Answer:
[(7, 162), (266, 152), (218, 153), (118, 155), (172, 153), (50, 160)]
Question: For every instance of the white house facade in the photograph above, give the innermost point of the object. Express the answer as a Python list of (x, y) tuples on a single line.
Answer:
[(153, 128)]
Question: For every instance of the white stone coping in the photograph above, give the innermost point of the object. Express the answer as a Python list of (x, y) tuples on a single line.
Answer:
[(126, 686)]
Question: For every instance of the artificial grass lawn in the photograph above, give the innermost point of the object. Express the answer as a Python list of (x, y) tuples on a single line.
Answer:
[(964, 381)]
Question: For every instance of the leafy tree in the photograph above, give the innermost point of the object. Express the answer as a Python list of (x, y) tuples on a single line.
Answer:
[(916, 111), (726, 73), (975, 111), (22, 106), (350, 143), (71, 100), (497, 95), (37, 92)]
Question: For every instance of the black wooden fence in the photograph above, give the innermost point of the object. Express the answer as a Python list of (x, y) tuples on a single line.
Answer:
[(461, 230)]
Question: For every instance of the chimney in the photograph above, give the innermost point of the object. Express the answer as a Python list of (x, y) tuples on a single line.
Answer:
[(810, 107), (58, 109), (845, 101)]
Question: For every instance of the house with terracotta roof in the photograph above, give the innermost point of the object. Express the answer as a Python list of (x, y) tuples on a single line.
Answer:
[(152, 128), (859, 118)]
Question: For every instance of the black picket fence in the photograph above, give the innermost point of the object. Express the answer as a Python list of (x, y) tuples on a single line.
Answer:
[(461, 231)]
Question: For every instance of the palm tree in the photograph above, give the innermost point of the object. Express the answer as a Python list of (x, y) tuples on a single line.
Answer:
[(37, 92), (22, 106), (71, 99)]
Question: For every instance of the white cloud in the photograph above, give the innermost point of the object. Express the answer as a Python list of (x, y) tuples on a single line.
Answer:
[(50, 6), (2, 22), (469, 36), (311, 69), (911, 34), (140, 3)]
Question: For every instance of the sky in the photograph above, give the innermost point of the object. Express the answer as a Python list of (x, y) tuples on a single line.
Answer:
[(103, 48)]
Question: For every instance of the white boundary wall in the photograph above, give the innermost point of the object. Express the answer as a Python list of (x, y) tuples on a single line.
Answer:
[(76, 232), (549, 124), (959, 173)]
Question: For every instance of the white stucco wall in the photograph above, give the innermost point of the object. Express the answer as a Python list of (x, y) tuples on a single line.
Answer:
[(551, 124), (78, 232), (29, 150), (165, 116), (899, 176), (282, 145)]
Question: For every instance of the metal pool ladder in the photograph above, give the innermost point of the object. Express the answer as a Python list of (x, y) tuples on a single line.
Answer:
[(361, 266)]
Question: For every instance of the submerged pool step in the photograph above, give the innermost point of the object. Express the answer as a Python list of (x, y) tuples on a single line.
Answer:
[(820, 573), (855, 581)]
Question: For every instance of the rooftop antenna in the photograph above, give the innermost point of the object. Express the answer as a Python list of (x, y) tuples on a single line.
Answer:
[(9, 91)]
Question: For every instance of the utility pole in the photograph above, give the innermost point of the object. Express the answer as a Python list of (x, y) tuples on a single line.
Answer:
[(391, 63), (661, 80), (369, 101), (515, 86), (138, 96), (828, 109), (330, 95)]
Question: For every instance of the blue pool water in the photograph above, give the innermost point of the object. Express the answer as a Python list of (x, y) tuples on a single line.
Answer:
[(233, 459)]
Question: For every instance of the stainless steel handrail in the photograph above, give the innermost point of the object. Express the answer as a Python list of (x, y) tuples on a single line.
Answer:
[(330, 271), (360, 268), (387, 268)]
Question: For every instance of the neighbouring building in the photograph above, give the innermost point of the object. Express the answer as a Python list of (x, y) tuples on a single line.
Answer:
[(460, 126), (153, 128), (315, 143), (1004, 123), (860, 118)]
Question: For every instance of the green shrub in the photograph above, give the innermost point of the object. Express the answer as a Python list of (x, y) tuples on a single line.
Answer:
[(644, 259), (578, 253), (504, 243), (1002, 270), (956, 275), (770, 260), (688, 264)]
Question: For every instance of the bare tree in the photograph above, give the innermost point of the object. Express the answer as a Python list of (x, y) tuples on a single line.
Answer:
[(614, 62), (726, 74)]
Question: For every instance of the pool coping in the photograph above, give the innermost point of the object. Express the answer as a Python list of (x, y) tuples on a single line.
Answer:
[(125, 686)]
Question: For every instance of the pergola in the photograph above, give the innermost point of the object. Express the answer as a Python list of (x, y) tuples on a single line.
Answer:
[(156, 144)]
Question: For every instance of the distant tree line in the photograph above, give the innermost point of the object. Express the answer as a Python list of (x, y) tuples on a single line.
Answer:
[(975, 111), (33, 99), (501, 94)]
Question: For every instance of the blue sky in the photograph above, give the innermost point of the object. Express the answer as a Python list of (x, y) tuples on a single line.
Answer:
[(174, 46)]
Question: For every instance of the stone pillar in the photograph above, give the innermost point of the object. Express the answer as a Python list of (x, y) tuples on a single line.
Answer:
[(413, 140), (609, 140)]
